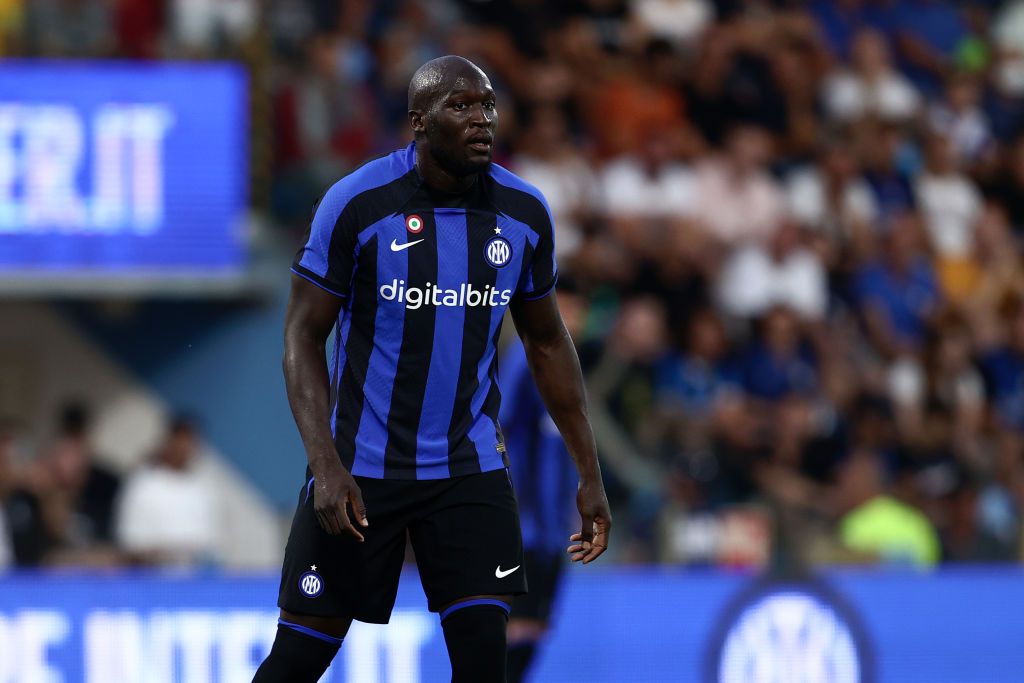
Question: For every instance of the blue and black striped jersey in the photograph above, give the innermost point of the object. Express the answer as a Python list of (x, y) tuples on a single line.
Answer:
[(426, 278)]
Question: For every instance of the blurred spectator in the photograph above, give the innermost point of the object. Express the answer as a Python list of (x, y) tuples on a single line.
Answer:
[(1004, 371), (678, 21), (960, 118), (783, 273), (897, 293), (882, 147), (61, 511), (872, 87), (648, 197), (737, 201), (831, 198), (168, 514), (878, 525), (548, 160)]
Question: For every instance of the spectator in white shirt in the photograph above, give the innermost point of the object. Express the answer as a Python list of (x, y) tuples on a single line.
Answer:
[(872, 87), (949, 202), (757, 278), (549, 161), (168, 513), (648, 197), (737, 201), (831, 198)]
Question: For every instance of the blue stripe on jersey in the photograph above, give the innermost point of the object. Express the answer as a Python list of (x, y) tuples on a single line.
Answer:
[(372, 435), (432, 444), (372, 174)]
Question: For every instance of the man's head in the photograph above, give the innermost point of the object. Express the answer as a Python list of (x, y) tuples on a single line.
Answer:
[(453, 115), (181, 444)]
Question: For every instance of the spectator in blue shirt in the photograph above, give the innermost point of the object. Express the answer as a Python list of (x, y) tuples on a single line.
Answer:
[(1004, 372), (898, 293)]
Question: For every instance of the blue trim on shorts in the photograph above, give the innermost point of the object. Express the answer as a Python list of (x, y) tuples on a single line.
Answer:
[(473, 603), (310, 632), (309, 487)]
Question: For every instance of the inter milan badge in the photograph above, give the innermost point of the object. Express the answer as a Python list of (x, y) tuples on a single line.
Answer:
[(498, 251), (414, 224), (311, 584)]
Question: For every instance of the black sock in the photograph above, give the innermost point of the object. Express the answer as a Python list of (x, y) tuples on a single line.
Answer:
[(297, 656), (519, 657), (475, 636)]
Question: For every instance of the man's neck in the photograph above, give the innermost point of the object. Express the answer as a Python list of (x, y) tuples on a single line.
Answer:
[(437, 178)]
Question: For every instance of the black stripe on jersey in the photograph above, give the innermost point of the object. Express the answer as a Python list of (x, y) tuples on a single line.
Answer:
[(410, 384), (357, 352), (492, 402), (462, 454)]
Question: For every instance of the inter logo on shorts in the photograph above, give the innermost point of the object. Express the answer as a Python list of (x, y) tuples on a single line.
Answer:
[(414, 224), (498, 251), (311, 584)]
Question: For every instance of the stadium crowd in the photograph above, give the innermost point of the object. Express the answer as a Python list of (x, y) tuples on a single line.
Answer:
[(798, 226)]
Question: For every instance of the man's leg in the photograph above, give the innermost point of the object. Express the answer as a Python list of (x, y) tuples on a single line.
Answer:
[(474, 632), (528, 622), (303, 648), (523, 637)]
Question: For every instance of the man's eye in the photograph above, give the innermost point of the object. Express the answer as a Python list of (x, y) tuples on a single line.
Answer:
[(489, 105), (459, 106)]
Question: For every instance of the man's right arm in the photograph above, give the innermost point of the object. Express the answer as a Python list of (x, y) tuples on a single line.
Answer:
[(310, 316)]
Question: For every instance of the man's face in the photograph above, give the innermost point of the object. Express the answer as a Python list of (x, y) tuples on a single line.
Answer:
[(460, 127)]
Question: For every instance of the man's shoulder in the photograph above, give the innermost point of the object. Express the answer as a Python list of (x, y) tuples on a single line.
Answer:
[(377, 173), (514, 193)]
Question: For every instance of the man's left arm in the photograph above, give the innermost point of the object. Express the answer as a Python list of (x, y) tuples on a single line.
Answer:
[(556, 370)]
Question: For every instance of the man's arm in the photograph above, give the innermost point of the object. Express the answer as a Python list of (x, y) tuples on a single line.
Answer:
[(556, 370), (308, 321)]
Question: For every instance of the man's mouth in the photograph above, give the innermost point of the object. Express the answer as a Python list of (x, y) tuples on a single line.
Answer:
[(480, 144)]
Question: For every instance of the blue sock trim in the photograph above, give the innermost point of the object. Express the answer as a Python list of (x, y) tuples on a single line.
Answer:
[(473, 603), (309, 487), (310, 632)]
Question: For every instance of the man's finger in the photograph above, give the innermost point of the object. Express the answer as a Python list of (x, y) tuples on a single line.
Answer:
[(355, 496), (587, 529), (600, 543), (325, 524), (341, 515)]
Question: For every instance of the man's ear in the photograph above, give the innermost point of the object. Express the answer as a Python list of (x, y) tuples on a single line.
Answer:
[(416, 121)]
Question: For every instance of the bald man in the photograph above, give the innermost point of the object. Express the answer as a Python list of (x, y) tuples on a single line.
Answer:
[(412, 260)]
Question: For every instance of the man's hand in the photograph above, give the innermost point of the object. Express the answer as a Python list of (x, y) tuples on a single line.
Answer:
[(597, 523), (334, 489)]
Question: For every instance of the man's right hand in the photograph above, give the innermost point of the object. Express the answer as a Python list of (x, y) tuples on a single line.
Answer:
[(333, 490)]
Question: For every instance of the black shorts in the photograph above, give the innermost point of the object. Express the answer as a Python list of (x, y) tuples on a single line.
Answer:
[(464, 532), (545, 573)]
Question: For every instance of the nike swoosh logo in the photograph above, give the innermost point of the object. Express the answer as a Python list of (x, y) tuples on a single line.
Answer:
[(395, 246), (502, 574)]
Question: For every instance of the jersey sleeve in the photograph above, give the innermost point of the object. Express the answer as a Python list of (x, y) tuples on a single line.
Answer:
[(328, 256), (541, 271)]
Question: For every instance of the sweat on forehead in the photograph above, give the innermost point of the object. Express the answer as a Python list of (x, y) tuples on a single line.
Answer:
[(438, 77)]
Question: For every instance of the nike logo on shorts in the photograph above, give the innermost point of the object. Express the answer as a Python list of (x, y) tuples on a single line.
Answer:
[(395, 246), (502, 574)]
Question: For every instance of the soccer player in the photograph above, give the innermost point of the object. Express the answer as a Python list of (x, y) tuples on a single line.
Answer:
[(412, 260), (543, 478)]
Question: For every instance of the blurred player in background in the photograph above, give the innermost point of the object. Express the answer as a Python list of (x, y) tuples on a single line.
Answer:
[(413, 259), (544, 480)]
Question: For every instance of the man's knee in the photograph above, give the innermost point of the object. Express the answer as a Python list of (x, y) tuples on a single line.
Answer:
[(303, 649), (474, 631)]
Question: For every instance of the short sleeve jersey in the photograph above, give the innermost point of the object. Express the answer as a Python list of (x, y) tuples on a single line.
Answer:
[(426, 278)]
